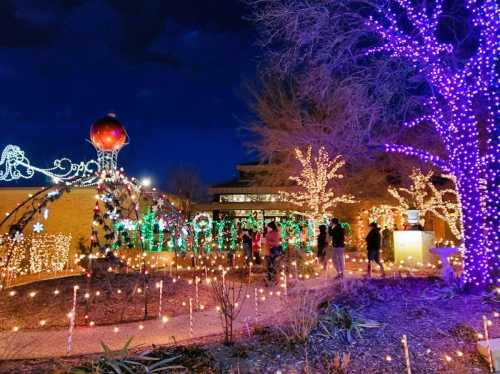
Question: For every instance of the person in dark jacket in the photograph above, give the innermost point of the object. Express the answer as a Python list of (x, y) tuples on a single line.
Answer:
[(337, 233), (322, 244), (373, 241), (247, 245)]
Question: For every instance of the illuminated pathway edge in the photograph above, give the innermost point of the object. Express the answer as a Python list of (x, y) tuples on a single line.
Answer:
[(31, 344)]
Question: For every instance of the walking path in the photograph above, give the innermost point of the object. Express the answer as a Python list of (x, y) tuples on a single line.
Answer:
[(86, 340)]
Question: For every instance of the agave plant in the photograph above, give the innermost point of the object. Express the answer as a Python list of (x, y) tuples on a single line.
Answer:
[(341, 321), (121, 362)]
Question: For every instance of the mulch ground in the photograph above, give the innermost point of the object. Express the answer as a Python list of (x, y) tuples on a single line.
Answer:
[(117, 298), (439, 321)]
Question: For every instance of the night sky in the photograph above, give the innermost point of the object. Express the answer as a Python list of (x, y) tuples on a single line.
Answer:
[(173, 72)]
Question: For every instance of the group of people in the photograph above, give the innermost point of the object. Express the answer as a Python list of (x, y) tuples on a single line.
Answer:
[(330, 244), (336, 233), (270, 244)]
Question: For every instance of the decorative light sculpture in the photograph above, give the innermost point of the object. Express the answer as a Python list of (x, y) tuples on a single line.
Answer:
[(108, 137), (452, 112), (15, 165)]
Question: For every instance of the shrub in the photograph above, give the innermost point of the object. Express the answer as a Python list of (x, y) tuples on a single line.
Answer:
[(302, 317), (341, 321)]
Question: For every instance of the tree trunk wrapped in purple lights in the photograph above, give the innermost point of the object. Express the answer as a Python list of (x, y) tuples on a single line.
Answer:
[(454, 117)]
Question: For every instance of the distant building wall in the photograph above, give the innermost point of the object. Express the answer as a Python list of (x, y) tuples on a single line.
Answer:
[(70, 214)]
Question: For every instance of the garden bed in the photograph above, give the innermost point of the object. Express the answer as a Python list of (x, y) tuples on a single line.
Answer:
[(357, 329)]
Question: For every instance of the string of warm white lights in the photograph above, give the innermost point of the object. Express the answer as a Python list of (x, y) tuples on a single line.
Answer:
[(426, 198), (49, 252)]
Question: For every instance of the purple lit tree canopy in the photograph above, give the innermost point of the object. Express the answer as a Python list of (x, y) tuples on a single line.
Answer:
[(452, 112), (462, 103)]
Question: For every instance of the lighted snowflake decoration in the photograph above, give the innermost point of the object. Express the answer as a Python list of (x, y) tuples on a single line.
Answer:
[(160, 203), (18, 237), (38, 227)]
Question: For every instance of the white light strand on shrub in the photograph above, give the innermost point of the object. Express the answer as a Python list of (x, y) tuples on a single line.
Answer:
[(49, 252)]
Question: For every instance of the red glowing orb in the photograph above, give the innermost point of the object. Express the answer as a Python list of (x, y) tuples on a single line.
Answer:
[(107, 134)]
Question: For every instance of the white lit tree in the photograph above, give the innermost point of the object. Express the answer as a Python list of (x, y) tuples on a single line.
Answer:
[(316, 194), (426, 198)]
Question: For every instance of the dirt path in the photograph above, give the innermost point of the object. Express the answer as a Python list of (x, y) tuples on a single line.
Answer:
[(86, 340)]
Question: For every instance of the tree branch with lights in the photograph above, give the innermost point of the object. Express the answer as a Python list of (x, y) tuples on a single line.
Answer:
[(316, 195), (426, 198)]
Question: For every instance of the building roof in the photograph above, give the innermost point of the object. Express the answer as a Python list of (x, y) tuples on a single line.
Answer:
[(278, 205)]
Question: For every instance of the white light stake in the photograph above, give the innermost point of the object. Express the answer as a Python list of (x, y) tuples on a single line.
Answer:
[(170, 269), (247, 327), (488, 347), (249, 272), (296, 270), (404, 340), (223, 278), (197, 292), (72, 320), (191, 318), (256, 298), (206, 274), (160, 300), (285, 286)]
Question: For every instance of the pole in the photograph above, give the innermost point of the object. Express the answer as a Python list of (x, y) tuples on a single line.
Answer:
[(72, 320), (404, 340), (488, 347), (160, 299), (191, 318)]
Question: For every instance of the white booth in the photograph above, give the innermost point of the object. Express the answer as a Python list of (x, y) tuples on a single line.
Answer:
[(414, 244)]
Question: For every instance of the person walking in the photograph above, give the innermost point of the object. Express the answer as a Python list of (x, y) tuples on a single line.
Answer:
[(272, 250), (247, 245), (322, 244), (373, 240), (337, 233), (256, 244)]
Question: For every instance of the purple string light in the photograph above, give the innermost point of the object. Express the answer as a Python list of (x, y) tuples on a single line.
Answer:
[(453, 115)]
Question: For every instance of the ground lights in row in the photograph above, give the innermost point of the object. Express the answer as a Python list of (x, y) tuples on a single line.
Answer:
[(260, 296)]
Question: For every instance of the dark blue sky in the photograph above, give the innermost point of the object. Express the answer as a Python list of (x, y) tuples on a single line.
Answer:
[(172, 71)]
